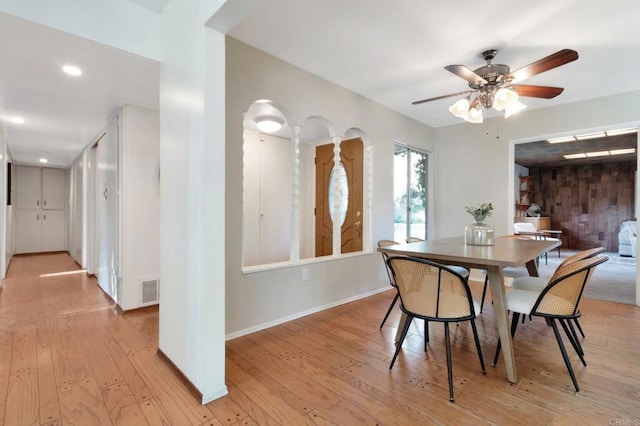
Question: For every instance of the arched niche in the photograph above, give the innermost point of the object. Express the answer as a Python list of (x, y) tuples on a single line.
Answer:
[(284, 186), (267, 185)]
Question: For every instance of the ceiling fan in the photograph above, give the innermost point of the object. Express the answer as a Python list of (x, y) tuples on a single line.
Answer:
[(494, 85)]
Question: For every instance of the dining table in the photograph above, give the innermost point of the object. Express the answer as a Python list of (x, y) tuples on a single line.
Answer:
[(507, 251)]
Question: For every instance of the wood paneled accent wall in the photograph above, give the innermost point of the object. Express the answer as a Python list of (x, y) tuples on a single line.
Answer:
[(587, 202)]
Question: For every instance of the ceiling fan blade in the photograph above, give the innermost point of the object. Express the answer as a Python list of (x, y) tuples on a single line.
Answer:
[(546, 92), (552, 61), (466, 73), (441, 97)]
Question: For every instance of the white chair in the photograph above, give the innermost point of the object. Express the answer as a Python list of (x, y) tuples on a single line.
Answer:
[(559, 303), (528, 229), (538, 284)]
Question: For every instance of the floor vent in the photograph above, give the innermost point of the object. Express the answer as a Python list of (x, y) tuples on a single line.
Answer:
[(149, 291)]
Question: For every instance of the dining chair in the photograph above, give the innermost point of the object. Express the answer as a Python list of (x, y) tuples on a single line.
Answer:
[(528, 229), (387, 243), (433, 292), (538, 283), (559, 303)]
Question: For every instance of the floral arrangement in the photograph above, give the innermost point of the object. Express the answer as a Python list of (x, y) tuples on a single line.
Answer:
[(480, 211)]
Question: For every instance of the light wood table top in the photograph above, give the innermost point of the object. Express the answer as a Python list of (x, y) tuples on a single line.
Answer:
[(506, 251)]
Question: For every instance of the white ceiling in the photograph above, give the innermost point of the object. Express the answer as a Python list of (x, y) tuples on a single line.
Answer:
[(394, 52), (63, 114), (391, 52)]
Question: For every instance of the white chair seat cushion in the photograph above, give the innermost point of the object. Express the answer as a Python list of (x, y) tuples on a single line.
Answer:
[(460, 270), (529, 283), (521, 301)]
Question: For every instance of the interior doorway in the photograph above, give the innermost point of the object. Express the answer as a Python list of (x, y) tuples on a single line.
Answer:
[(549, 206)]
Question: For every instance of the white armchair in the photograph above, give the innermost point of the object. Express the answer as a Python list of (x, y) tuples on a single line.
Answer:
[(627, 238)]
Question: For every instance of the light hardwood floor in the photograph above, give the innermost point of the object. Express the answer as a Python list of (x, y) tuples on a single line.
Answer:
[(67, 357)]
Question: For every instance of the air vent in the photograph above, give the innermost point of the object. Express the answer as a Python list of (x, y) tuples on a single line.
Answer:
[(149, 292)]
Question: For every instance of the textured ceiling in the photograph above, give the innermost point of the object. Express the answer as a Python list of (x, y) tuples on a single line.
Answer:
[(544, 154)]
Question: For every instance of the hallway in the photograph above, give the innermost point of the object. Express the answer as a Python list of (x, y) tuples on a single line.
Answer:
[(67, 357)]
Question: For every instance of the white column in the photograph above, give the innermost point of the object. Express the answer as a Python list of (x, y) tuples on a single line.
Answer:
[(367, 229), (295, 195), (192, 193), (337, 201)]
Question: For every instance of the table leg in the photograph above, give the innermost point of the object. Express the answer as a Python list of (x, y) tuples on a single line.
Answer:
[(496, 281), (532, 268)]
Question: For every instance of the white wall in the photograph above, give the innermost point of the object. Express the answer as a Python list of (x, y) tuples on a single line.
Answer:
[(6, 211), (256, 300), (139, 201), (192, 191), (74, 207)]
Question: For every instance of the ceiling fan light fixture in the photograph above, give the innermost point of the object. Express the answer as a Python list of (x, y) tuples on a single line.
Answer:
[(269, 123), (504, 98), (515, 107), (460, 109), (475, 116)]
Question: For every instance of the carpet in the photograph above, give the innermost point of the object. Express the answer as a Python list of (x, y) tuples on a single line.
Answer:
[(612, 281)]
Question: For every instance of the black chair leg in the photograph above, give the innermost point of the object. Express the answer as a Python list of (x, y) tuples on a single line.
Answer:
[(426, 334), (402, 336), (579, 328), (395, 299), (449, 370), (564, 354), (478, 348), (484, 292), (573, 339)]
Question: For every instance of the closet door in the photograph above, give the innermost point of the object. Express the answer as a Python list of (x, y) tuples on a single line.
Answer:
[(53, 189), (28, 187), (53, 230), (28, 231)]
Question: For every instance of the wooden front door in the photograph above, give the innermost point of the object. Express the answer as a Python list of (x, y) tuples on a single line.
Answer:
[(351, 156)]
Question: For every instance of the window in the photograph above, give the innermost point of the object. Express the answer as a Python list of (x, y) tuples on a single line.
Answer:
[(409, 193)]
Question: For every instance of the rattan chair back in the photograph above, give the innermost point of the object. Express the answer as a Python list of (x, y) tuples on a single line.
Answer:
[(585, 254), (561, 297), (430, 290)]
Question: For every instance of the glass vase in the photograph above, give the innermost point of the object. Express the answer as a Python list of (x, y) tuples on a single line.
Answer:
[(479, 234)]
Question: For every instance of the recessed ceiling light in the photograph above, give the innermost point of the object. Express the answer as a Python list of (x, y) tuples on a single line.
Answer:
[(72, 70), (562, 139), (591, 135), (43, 160), (572, 156), (17, 120), (621, 131), (597, 153), (622, 151)]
